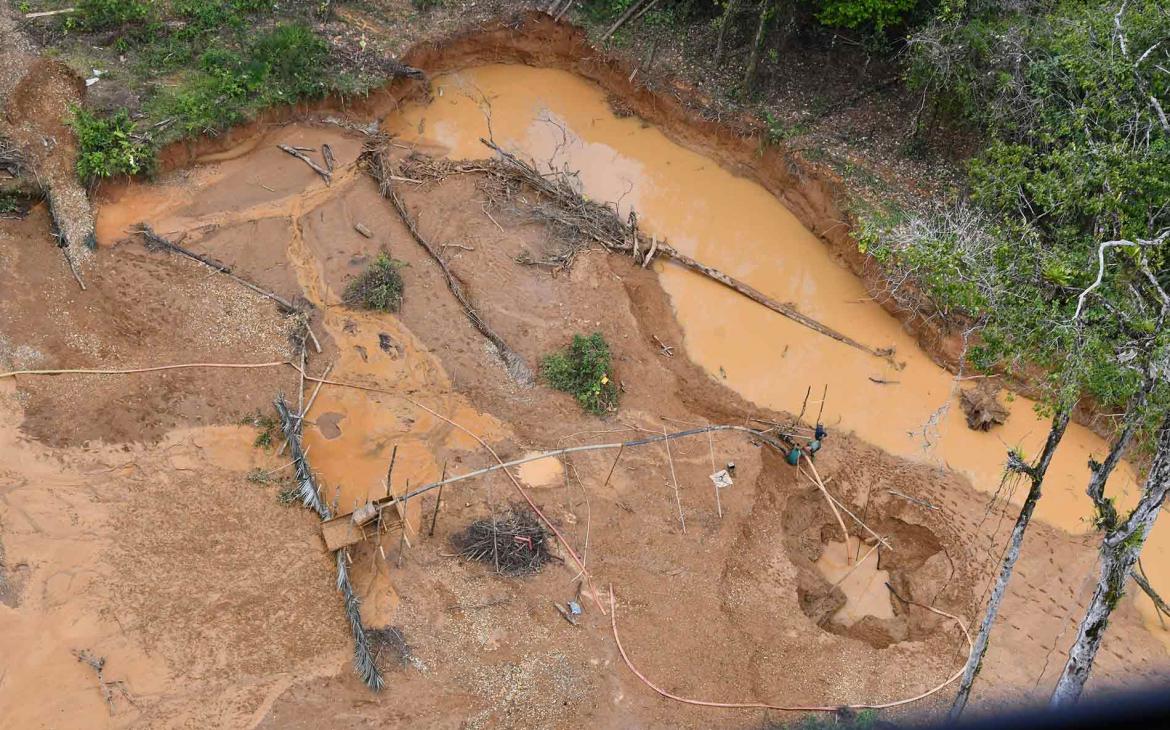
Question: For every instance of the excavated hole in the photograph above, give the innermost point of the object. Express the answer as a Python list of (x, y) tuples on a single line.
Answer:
[(859, 604)]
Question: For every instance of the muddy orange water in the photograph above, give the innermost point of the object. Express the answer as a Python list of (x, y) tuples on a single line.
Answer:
[(856, 573), (733, 224)]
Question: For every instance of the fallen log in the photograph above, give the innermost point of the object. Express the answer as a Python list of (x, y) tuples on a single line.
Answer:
[(601, 224), (157, 242), (759, 297)]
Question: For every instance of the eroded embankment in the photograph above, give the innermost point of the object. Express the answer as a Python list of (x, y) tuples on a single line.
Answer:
[(731, 608)]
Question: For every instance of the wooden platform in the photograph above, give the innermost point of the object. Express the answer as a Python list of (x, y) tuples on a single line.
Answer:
[(342, 531)]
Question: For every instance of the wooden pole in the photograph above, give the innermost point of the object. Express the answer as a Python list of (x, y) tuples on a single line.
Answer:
[(674, 481), (438, 501)]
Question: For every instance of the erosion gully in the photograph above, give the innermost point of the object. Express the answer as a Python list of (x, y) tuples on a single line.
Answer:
[(735, 225)]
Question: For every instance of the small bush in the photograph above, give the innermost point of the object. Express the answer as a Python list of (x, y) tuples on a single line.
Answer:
[(107, 146), (582, 370), (293, 56), (378, 287), (266, 429), (104, 14)]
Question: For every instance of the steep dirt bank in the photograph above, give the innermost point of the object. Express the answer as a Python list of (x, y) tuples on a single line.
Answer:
[(812, 193), (36, 96)]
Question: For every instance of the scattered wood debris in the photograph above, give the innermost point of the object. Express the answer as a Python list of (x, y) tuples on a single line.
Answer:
[(982, 407)]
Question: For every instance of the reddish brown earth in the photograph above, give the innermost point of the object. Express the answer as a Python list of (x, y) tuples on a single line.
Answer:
[(130, 529)]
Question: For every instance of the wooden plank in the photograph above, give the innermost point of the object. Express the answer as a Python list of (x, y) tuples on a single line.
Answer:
[(341, 531)]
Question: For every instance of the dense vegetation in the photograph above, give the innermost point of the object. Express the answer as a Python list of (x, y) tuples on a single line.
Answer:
[(583, 370), (201, 66), (108, 146)]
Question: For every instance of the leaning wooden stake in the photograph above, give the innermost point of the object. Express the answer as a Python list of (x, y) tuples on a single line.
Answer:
[(438, 502), (674, 481), (832, 504)]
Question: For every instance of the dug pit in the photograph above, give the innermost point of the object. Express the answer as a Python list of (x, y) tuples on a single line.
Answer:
[(865, 591)]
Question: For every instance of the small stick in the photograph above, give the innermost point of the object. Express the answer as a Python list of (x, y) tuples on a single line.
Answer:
[(390, 469), (824, 396), (73, 268), (674, 481), (564, 10), (667, 350), (301, 399), (856, 565), (325, 174), (327, 153), (804, 405), (313, 337), (885, 543), (711, 447), (438, 501), (915, 500), (313, 397), (490, 218), (832, 506), (613, 466)]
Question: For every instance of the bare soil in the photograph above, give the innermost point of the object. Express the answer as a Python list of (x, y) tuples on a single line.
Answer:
[(128, 498)]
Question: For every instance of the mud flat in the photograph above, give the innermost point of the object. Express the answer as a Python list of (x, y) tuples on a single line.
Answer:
[(132, 529)]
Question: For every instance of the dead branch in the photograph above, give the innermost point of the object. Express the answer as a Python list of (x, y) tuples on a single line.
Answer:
[(379, 167), (326, 175)]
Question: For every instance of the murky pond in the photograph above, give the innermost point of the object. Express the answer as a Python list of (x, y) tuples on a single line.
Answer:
[(739, 227)]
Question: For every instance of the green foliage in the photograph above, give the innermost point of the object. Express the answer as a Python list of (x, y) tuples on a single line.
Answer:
[(289, 496), (605, 9), (876, 14), (582, 370), (266, 428), (379, 287), (1075, 154), (282, 65), (424, 5), (105, 14), (107, 146)]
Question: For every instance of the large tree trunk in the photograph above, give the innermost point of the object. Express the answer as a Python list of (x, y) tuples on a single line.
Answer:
[(753, 64), (1036, 476), (1119, 551)]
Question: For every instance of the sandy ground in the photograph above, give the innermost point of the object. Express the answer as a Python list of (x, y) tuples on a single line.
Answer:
[(129, 527)]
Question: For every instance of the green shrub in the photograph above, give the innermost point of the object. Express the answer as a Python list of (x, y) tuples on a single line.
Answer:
[(378, 287), (225, 85), (582, 369), (266, 427), (107, 147), (104, 14), (293, 56), (878, 14)]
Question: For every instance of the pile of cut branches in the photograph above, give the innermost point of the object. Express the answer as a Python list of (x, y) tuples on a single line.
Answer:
[(514, 544)]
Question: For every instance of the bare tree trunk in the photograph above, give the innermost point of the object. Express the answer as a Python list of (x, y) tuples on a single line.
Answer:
[(1119, 551), (1035, 475), (729, 11), (753, 64)]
